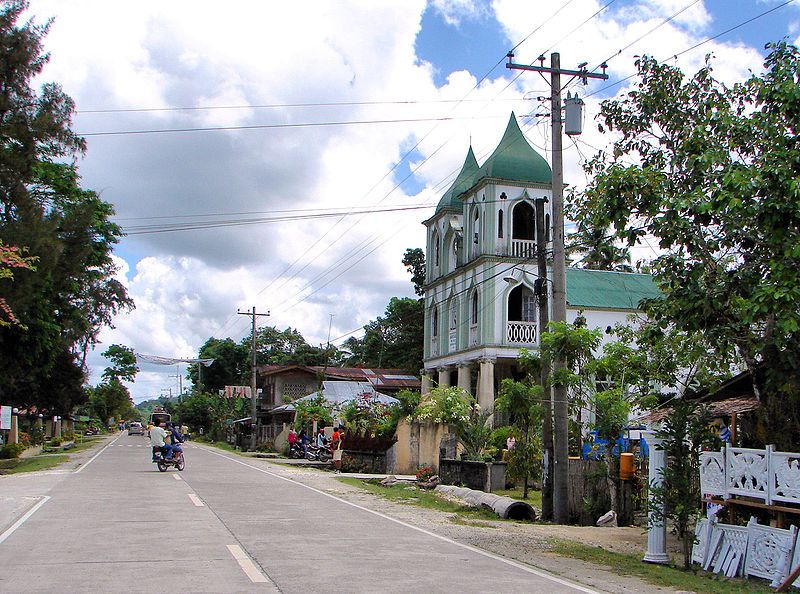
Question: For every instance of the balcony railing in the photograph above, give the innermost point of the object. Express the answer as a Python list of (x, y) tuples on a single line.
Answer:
[(521, 332), (473, 335), (523, 248), (435, 346)]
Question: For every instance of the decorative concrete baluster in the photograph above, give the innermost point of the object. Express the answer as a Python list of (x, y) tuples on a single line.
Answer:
[(656, 527)]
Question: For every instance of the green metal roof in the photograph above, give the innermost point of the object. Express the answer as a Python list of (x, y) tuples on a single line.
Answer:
[(515, 160), (606, 289), (463, 182)]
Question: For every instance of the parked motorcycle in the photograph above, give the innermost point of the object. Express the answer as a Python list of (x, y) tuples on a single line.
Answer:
[(296, 451), (177, 460), (317, 453)]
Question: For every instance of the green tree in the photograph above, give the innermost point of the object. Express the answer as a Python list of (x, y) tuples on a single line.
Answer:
[(394, 340), (715, 182), (10, 258), (414, 261), (522, 400), (597, 249), (229, 368), (123, 363), (72, 294)]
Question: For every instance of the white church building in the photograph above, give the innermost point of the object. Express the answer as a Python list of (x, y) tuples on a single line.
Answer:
[(482, 272)]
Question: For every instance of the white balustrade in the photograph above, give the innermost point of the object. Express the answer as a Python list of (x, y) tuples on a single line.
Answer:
[(712, 473), (523, 248), (763, 474), (521, 332)]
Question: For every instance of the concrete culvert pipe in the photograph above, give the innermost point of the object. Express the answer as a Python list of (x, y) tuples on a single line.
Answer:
[(505, 507)]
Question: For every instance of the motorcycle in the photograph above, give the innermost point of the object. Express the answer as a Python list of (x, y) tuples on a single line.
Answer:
[(177, 460), (315, 452), (296, 451)]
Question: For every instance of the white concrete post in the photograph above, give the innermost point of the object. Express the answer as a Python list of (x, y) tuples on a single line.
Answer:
[(464, 377), (444, 377), (656, 527), (486, 384)]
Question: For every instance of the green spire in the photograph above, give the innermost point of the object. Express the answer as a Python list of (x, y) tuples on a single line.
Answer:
[(463, 182), (516, 160)]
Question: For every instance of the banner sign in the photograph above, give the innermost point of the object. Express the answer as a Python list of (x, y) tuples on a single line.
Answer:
[(5, 417), (237, 392)]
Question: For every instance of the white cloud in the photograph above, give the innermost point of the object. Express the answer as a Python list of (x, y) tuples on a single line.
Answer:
[(187, 285)]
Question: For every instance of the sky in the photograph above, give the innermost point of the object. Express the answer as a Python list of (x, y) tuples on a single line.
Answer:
[(313, 113)]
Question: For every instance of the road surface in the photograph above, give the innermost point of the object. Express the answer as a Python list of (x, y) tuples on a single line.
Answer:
[(225, 525)]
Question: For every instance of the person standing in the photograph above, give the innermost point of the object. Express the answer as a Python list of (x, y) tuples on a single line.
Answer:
[(304, 441), (337, 448)]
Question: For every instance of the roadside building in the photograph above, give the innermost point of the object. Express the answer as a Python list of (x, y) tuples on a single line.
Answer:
[(482, 272)]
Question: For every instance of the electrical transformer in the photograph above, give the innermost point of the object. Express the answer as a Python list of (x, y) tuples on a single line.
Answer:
[(573, 115)]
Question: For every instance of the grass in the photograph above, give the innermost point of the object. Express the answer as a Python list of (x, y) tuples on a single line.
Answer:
[(534, 497), (32, 464), (410, 495), (660, 575), (222, 445)]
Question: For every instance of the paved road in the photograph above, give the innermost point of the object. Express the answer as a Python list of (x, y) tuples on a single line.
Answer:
[(224, 525)]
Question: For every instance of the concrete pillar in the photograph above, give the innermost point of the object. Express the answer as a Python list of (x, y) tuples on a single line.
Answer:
[(656, 528), (486, 384), (465, 377), (57, 429), (444, 377), (13, 436), (427, 382)]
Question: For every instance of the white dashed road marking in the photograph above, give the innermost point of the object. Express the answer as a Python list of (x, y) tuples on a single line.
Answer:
[(247, 565), (196, 500)]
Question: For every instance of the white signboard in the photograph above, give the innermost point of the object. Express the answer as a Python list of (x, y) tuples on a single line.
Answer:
[(5, 417)]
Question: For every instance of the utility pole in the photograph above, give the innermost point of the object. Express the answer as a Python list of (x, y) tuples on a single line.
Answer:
[(544, 319), (254, 390), (559, 307)]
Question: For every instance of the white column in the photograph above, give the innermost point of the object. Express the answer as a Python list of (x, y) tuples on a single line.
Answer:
[(427, 383), (57, 430), (444, 377), (465, 377), (486, 384), (656, 528)]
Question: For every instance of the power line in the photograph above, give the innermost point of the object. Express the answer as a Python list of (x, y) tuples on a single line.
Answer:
[(280, 105), (278, 126)]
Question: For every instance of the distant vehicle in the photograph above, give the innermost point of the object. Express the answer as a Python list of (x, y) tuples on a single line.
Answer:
[(135, 428), (159, 416)]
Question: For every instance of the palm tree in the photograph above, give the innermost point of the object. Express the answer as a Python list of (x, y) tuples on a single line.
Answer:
[(597, 250)]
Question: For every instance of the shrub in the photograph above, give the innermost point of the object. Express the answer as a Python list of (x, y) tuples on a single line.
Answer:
[(424, 473), (56, 441), (36, 436), (12, 450)]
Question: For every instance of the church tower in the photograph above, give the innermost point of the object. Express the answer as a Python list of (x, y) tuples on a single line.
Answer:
[(481, 268)]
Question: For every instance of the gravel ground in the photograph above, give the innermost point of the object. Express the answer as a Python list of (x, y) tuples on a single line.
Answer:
[(524, 542)]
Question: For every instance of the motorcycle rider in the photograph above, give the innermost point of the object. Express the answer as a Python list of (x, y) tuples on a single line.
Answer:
[(158, 439)]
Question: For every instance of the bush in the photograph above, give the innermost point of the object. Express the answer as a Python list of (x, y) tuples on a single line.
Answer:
[(12, 450), (36, 436), (24, 439), (56, 441), (424, 473)]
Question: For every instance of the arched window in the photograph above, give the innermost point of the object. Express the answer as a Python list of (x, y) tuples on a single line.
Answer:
[(453, 314), (473, 318), (436, 250), (523, 222), (434, 321), (500, 225), (476, 232), (521, 305)]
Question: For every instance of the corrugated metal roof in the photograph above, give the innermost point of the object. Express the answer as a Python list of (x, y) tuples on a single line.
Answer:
[(341, 392), (608, 290)]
